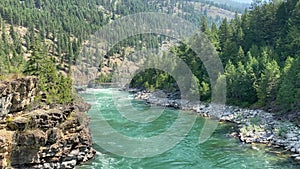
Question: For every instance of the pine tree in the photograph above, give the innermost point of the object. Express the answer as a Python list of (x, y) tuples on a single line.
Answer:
[(213, 37), (33, 65), (268, 83), (240, 82), (2, 64), (204, 24), (294, 32), (240, 54), (225, 33), (13, 34), (230, 72), (289, 90)]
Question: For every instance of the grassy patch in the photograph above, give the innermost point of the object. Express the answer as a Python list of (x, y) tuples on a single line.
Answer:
[(9, 77), (281, 130), (9, 120), (255, 120)]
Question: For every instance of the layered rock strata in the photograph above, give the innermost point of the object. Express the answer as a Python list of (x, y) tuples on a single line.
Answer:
[(56, 137)]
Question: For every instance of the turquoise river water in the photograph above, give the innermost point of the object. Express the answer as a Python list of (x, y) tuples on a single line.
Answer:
[(220, 151)]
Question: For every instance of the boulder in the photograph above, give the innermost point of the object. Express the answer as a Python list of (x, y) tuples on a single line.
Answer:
[(53, 135), (68, 164), (19, 123)]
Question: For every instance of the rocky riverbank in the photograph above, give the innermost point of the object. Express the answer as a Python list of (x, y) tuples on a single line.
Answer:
[(56, 136), (254, 126)]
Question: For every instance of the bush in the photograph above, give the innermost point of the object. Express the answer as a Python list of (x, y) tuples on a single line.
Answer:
[(9, 119), (255, 120), (281, 130)]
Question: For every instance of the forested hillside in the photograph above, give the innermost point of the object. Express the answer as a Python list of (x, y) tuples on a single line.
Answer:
[(192, 10), (239, 4), (259, 49), (260, 52), (44, 37)]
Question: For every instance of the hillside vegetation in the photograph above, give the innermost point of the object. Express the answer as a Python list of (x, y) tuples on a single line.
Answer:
[(44, 37), (260, 53), (259, 49)]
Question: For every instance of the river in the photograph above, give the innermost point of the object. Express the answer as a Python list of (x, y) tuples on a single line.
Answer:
[(220, 151)]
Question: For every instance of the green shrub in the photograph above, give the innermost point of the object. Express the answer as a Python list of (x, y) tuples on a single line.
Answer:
[(282, 130), (255, 120), (9, 119)]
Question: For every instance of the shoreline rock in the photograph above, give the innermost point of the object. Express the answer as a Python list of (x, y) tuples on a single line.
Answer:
[(254, 126)]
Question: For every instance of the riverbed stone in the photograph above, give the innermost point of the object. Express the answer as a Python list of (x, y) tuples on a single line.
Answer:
[(290, 135), (68, 164)]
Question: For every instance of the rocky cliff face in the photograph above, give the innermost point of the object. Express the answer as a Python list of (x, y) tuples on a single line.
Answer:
[(17, 94), (56, 137)]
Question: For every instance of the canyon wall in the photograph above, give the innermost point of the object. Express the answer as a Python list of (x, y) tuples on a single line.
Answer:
[(15, 95), (48, 137)]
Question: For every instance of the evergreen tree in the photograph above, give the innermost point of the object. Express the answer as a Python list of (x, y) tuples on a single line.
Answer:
[(268, 83), (289, 90), (240, 54), (33, 65), (204, 25)]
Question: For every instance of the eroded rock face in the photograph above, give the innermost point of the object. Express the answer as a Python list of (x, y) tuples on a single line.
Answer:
[(17, 94), (63, 143), (43, 138)]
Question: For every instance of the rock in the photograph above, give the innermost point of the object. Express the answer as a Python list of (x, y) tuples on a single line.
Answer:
[(17, 94), (255, 148), (69, 164), (74, 152), (295, 155), (227, 113), (53, 135), (82, 106), (234, 134), (3, 163), (42, 138), (291, 135), (22, 155), (18, 123), (270, 137), (294, 139), (60, 142), (47, 165)]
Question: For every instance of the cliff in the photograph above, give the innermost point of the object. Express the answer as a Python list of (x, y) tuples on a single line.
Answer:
[(17, 94), (57, 137)]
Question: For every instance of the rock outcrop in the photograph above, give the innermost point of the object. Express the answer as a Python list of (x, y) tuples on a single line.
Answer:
[(56, 137), (17, 94)]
